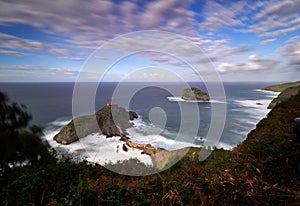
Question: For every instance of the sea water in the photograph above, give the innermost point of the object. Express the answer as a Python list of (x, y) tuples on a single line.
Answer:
[(51, 107)]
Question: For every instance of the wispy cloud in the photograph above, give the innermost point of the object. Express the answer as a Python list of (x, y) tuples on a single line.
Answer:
[(277, 18), (254, 63), (87, 23), (35, 68), (291, 53), (218, 16), (62, 51), (13, 53), (18, 45), (267, 41), (73, 58), (279, 8), (13, 42)]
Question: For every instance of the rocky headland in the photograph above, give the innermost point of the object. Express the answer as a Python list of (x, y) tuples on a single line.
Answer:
[(281, 87), (194, 94), (110, 121), (286, 90)]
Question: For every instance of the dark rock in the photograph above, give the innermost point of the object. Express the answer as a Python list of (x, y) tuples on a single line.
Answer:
[(125, 149), (195, 94), (111, 120), (285, 95), (132, 115)]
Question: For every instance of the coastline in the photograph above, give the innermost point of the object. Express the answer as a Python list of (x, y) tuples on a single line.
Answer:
[(136, 148), (260, 171)]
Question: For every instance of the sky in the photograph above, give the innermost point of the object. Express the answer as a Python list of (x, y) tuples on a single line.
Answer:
[(139, 40)]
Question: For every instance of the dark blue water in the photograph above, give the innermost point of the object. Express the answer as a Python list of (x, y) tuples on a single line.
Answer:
[(50, 102)]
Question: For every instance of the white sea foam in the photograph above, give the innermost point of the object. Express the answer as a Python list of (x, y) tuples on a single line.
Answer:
[(256, 109), (270, 93), (260, 103), (179, 99), (103, 150), (60, 122), (225, 146), (147, 133), (96, 148)]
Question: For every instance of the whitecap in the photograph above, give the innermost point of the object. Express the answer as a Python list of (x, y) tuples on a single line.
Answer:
[(179, 99), (94, 148), (225, 146), (269, 93), (259, 103)]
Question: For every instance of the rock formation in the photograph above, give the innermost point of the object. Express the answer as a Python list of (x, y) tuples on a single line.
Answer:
[(194, 94), (111, 120), (285, 95)]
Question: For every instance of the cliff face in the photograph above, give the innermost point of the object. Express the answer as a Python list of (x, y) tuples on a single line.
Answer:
[(284, 95), (194, 94), (110, 121), (281, 87)]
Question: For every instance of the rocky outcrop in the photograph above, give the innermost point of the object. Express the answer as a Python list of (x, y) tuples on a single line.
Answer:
[(132, 115), (281, 87), (111, 120), (285, 95), (195, 94)]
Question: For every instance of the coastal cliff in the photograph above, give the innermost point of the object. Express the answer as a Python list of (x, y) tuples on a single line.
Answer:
[(286, 90), (284, 96), (194, 94), (281, 87)]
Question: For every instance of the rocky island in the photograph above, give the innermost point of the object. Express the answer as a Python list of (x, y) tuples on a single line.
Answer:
[(194, 94), (110, 121)]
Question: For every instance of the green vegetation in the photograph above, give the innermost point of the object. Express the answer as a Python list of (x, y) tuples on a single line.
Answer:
[(284, 96), (261, 171), (282, 87)]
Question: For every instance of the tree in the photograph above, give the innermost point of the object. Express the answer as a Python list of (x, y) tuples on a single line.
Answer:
[(19, 142)]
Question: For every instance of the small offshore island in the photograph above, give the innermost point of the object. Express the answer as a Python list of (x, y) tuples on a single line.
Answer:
[(194, 94)]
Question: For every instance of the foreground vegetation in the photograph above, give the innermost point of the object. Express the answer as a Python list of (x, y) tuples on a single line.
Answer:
[(260, 171)]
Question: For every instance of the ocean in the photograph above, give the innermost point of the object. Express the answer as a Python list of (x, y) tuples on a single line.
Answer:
[(160, 115)]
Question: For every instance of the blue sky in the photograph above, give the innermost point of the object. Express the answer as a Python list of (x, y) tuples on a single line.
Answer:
[(54, 41)]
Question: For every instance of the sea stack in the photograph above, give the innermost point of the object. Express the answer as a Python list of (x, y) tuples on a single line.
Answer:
[(194, 94)]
